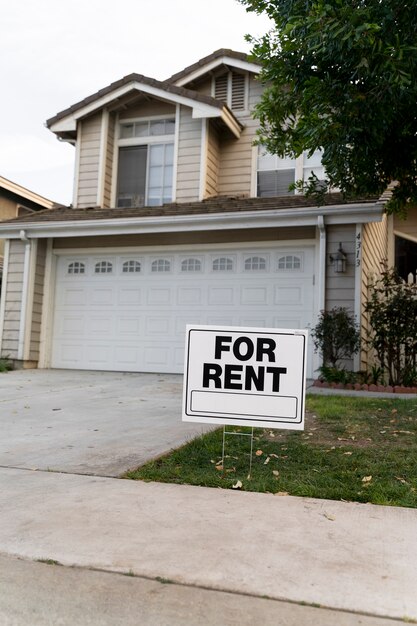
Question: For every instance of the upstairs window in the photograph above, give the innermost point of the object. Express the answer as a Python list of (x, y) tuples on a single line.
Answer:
[(230, 88), (276, 174), (146, 162)]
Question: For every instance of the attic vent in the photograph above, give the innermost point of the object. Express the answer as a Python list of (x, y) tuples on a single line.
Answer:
[(230, 88), (220, 87), (238, 92)]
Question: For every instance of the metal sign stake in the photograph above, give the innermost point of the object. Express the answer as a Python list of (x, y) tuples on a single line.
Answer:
[(232, 432)]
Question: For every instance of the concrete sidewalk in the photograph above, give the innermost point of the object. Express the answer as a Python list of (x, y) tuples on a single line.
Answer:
[(353, 557)]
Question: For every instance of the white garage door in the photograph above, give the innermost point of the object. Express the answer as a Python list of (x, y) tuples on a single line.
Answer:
[(128, 311)]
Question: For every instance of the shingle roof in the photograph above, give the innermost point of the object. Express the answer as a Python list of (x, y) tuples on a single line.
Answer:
[(217, 54), (219, 204), (139, 78)]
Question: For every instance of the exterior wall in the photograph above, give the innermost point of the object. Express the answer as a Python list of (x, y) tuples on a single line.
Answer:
[(116, 241), (212, 172), (236, 157), (13, 300), (8, 209), (109, 161), (407, 227), (37, 301), (148, 108), (89, 161), (189, 156), (340, 288), (374, 252)]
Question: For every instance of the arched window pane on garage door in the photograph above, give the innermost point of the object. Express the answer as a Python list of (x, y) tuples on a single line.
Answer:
[(191, 265), (76, 268), (255, 263), (161, 265), (223, 264), (103, 267), (131, 267), (289, 262)]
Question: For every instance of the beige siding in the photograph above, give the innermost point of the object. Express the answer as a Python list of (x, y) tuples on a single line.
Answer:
[(374, 253), (407, 227), (13, 298), (108, 174), (37, 301), (189, 155), (203, 237), (340, 288), (212, 171), (236, 162), (148, 108), (89, 161)]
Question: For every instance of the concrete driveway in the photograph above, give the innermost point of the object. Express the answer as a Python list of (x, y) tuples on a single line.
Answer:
[(99, 423)]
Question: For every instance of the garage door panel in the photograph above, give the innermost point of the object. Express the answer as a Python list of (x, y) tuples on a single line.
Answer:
[(102, 297), (135, 321), (129, 296), (75, 297), (254, 296)]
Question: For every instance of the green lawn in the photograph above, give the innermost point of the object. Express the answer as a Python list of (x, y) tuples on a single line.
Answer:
[(353, 449)]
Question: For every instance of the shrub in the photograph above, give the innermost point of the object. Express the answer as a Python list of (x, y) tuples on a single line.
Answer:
[(5, 365), (336, 337), (392, 309)]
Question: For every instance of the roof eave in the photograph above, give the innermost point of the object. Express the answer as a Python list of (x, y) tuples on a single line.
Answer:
[(68, 124), (338, 214), (246, 66)]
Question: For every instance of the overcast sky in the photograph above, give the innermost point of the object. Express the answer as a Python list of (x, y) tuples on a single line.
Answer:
[(54, 54)]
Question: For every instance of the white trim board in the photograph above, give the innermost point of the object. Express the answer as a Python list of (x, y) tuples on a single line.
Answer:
[(342, 214)]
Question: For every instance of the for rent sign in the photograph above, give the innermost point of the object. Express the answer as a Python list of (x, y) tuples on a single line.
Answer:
[(246, 376)]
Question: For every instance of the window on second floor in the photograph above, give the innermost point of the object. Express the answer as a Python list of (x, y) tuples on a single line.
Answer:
[(276, 174), (146, 160)]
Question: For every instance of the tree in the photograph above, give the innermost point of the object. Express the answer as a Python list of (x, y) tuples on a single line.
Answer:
[(342, 76)]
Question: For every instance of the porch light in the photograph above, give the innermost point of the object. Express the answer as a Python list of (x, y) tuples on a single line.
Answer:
[(339, 260)]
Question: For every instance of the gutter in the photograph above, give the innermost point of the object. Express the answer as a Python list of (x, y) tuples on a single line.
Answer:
[(282, 218)]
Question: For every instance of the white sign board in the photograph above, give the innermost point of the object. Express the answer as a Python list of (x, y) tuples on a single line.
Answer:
[(245, 376)]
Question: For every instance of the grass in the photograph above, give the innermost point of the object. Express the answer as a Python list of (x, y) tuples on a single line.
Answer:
[(353, 449), (5, 365)]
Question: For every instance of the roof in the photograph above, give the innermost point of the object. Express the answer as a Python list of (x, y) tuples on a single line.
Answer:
[(173, 86), (26, 194), (218, 204), (136, 78), (222, 53)]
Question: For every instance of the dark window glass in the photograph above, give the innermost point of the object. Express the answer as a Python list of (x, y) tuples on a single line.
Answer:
[(131, 180), (405, 257)]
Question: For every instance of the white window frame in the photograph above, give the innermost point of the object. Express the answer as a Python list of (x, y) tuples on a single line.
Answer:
[(299, 168), (142, 141)]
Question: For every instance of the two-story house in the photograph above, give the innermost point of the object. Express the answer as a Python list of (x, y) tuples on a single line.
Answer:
[(178, 217)]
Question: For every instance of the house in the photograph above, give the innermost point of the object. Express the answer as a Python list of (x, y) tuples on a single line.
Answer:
[(178, 218), (16, 201)]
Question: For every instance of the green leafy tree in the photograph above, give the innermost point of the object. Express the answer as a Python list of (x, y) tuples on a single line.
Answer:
[(342, 76)]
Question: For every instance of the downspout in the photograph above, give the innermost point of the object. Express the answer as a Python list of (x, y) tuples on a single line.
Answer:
[(322, 264), (321, 287), (25, 286)]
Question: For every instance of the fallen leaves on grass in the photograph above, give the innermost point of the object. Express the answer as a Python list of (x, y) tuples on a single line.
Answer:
[(366, 479), (259, 453), (275, 472), (237, 485), (281, 493), (267, 460)]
